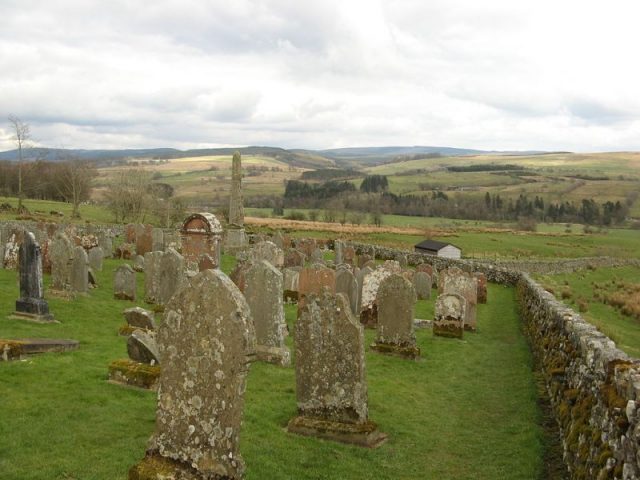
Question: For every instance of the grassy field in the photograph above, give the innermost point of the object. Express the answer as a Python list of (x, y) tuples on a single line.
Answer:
[(586, 290), (466, 410)]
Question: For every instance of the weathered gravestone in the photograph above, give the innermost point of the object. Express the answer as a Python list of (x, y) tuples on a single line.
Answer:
[(278, 240), (481, 279), (80, 271), (31, 305), (349, 255), (206, 262), (152, 262), (204, 343), (306, 245), (370, 285), (201, 234), (268, 251), (157, 240), (124, 283), (171, 275), (317, 256), (96, 256), (11, 250), (396, 307), (346, 283), (61, 262), (360, 276), (144, 239), (137, 318), (449, 315), (138, 263), (263, 292), (312, 280), (142, 347), (465, 284), (363, 260), (428, 269), (105, 242), (290, 281), (331, 385), (422, 283), (294, 258), (338, 247)]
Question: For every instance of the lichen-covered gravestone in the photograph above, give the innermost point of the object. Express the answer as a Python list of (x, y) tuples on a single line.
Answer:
[(313, 279), (294, 258), (449, 315), (331, 385), (346, 283), (290, 278), (360, 276), (205, 344), (171, 275), (61, 262), (422, 283), (263, 291), (80, 271), (137, 318), (396, 307), (124, 283), (370, 286), (465, 284), (268, 251), (152, 262), (96, 256), (31, 305)]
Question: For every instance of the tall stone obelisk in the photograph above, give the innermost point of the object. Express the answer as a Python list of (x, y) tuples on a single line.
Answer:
[(236, 238)]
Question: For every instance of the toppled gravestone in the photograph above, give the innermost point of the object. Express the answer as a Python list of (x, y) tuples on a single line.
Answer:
[(331, 385), (205, 344)]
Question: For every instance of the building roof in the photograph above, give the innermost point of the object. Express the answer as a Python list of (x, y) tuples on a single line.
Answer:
[(433, 245)]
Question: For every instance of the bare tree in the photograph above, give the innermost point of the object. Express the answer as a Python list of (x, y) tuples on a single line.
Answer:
[(73, 181), (128, 195), (22, 135)]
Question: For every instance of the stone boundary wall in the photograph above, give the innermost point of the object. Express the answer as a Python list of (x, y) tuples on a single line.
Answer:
[(593, 386)]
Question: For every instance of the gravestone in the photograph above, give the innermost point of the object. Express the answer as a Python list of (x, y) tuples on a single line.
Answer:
[(312, 280), (137, 318), (360, 276), (206, 262), (61, 262), (349, 255), (105, 242), (157, 240), (449, 315), (306, 245), (144, 239), (455, 280), (290, 280), (152, 261), (294, 258), (278, 240), (338, 247), (205, 343), (171, 275), (331, 385), (396, 307), (124, 283), (363, 260), (346, 284), (481, 279), (317, 256), (138, 263), (125, 251), (96, 256), (263, 292), (79, 271), (31, 305), (370, 285), (268, 251), (11, 249), (130, 233), (201, 234), (142, 347), (422, 283)]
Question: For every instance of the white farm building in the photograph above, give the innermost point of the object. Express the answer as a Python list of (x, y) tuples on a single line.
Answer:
[(439, 249)]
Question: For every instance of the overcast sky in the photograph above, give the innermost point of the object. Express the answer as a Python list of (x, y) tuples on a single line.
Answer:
[(550, 75)]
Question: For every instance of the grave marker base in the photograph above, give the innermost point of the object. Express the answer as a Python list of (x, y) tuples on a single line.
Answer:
[(403, 351), (133, 374), (361, 434)]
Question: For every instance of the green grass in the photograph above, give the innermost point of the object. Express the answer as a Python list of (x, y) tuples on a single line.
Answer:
[(622, 329), (466, 410), (40, 209)]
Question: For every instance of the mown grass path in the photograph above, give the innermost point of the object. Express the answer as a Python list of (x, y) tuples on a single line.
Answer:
[(466, 410)]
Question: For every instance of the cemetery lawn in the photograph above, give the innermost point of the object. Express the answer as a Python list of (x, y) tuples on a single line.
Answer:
[(586, 291), (467, 409)]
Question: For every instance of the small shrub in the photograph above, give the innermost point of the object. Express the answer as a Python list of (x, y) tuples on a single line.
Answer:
[(566, 293), (583, 305), (295, 215)]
